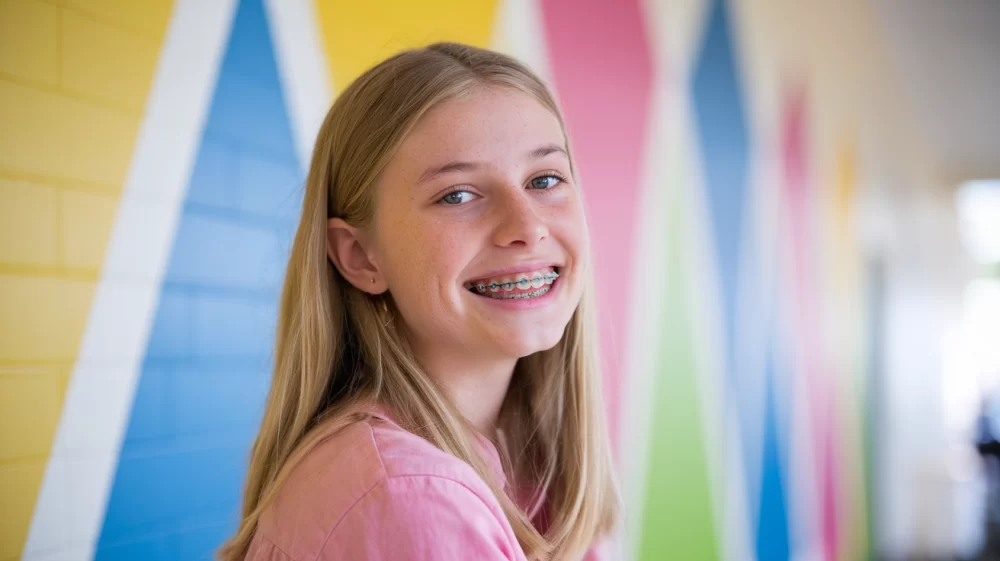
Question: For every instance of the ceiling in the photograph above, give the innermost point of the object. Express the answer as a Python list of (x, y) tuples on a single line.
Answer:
[(946, 54)]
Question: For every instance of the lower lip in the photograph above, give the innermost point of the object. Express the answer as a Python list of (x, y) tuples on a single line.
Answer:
[(522, 303)]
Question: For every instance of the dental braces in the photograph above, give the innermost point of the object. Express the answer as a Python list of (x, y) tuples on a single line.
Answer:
[(501, 295), (523, 284)]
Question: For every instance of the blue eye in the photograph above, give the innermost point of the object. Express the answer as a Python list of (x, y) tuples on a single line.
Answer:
[(456, 198), (545, 182)]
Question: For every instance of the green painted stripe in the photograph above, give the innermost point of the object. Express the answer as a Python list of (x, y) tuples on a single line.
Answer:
[(678, 521)]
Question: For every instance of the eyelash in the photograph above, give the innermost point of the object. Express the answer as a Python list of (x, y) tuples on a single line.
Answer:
[(458, 189), (452, 191), (559, 180)]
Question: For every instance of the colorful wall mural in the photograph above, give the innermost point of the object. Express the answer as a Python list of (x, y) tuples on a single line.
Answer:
[(151, 163)]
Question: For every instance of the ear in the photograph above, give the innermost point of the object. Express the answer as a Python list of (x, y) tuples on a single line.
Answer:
[(344, 248)]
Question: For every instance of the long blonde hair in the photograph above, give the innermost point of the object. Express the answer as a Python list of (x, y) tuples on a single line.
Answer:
[(337, 346)]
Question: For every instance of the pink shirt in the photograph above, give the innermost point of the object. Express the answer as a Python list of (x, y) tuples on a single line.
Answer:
[(377, 492)]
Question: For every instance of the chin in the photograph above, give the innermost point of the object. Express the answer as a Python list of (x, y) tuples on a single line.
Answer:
[(531, 343)]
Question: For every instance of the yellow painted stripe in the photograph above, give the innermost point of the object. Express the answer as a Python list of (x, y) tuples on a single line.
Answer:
[(357, 35), (851, 397), (74, 77)]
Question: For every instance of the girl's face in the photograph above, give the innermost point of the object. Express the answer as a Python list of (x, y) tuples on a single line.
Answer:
[(479, 232)]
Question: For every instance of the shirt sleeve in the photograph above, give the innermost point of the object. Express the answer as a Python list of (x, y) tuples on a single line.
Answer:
[(600, 551), (419, 517)]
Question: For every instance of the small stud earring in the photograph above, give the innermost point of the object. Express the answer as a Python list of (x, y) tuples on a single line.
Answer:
[(373, 280)]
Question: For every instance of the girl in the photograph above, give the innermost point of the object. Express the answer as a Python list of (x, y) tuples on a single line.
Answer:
[(435, 391)]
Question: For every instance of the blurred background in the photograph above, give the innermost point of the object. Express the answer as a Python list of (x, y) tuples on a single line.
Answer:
[(796, 215)]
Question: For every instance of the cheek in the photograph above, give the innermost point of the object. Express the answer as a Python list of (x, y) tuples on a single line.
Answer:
[(426, 262), (442, 253), (571, 223)]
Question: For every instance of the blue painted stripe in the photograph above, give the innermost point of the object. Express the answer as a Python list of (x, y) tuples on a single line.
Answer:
[(722, 133), (720, 117), (207, 367), (772, 539)]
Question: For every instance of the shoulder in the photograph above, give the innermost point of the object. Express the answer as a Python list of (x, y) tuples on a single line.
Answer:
[(373, 477), (423, 517)]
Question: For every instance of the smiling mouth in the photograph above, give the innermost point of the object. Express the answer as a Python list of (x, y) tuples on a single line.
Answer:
[(521, 286)]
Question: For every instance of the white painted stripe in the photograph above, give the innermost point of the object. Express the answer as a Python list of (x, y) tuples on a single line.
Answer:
[(719, 399), (645, 326), (676, 30), (519, 32), (75, 489), (673, 29), (725, 401), (644, 352), (794, 387), (303, 67)]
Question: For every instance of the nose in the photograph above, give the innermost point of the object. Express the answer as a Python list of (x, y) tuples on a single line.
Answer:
[(519, 222)]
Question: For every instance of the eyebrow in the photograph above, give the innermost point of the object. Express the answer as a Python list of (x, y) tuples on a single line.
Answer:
[(450, 167), (543, 151)]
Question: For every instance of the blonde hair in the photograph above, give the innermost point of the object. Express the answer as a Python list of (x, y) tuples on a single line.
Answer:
[(337, 347)]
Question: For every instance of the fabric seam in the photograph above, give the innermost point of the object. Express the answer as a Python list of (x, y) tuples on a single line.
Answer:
[(278, 547), (387, 478)]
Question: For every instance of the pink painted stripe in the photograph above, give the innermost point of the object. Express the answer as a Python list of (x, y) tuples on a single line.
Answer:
[(602, 71), (798, 193)]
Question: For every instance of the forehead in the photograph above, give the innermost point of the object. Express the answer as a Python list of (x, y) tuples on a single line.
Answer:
[(494, 124)]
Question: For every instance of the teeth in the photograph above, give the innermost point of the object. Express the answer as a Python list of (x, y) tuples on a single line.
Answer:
[(538, 280), (522, 295)]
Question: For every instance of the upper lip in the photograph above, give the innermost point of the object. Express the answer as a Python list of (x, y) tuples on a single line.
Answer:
[(515, 269)]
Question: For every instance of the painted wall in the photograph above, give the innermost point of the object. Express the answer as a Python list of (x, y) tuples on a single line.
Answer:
[(74, 80), (151, 160)]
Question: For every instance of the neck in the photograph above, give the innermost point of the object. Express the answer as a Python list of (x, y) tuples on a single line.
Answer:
[(478, 388)]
